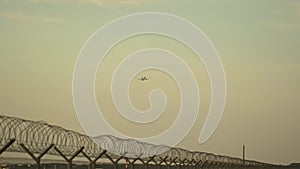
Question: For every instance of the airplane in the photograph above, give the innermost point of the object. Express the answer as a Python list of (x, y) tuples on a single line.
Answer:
[(143, 78)]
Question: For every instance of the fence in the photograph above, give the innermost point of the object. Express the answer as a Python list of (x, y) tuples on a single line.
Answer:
[(37, 138)]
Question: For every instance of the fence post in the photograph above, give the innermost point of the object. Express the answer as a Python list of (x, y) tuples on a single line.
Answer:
[(190, 163), (162, 160), (135, 160), (148, 161), (38, 158), (115, 163), (204, 164), (11, 141), (69, 160), (93, 162), (197, 163), (181, 162)]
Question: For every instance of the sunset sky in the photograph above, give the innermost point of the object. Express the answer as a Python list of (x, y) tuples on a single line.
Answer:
[(258, 42)]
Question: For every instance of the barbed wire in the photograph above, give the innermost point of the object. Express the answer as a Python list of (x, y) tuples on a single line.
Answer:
[(37, 136)]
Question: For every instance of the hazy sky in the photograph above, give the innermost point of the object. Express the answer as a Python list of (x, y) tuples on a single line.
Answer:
[(258, 42)]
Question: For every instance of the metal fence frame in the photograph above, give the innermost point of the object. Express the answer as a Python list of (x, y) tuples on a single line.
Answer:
[(37, 138)]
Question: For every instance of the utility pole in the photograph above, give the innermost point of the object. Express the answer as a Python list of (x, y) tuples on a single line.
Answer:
[(243, 154)]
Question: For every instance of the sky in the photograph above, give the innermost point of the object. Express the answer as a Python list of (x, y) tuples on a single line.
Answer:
[(258, 42)]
